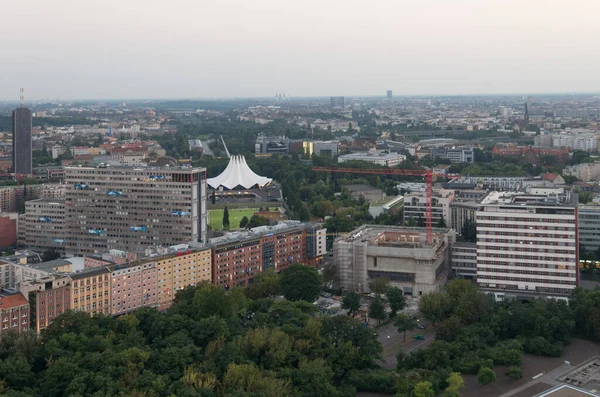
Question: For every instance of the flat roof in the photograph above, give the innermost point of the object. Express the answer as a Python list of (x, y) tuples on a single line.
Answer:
[(565, 391)]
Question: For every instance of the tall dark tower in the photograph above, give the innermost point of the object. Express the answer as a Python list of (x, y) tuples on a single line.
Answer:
[(526, 117), (21, 141)]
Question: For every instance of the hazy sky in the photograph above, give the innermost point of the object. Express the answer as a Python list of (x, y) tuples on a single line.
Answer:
[(238, 48)]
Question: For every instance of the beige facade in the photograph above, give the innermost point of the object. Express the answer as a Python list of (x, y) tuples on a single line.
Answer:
[(90, 292)]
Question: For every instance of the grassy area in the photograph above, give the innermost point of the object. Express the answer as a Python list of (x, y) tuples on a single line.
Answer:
[(215, 217)]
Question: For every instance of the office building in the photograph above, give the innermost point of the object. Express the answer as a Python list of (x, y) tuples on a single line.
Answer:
[(43, 225), (389, 94), (415, 207), (589, 227), (397, 253), (21, 141), (326, 148), (464, 261), (336, 102), (271, 144), (131, 209), (380, 158), (526, 246), (48, 297), (90, 291), (14, 313)]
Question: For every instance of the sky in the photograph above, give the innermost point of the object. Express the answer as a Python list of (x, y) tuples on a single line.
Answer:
[(111, 49)]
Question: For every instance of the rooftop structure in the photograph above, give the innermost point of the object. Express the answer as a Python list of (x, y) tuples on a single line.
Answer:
[(237, 174), (381, 158), (397, 253), (367, 192)]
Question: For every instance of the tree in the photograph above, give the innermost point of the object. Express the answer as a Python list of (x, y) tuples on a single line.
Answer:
[(486, 375), (351, 302), (455, 384), (514, 372), (377, 310), (405, 323), (256, 221), (303, 214), (379, 285), (50, 254), (299, 282), (411, 222), (432, 307), (213, 197), (244, 222), (423, 389), (396, 300), (226, 218), (265, 285)]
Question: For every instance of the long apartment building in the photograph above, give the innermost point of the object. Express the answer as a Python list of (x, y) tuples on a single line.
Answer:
[(239, 257), (12, 198), (131, 209), (526, 246)]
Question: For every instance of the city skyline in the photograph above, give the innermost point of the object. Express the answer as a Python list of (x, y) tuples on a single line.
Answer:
[(147, 50)]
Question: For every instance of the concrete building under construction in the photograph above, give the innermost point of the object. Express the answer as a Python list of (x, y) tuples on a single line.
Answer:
[(397, 253)]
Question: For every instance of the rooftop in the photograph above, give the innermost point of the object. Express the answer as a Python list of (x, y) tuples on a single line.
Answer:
[(8, 301), (361, 188), (521, 199), (565, 391)]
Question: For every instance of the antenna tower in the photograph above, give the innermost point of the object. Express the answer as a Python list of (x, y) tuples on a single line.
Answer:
[(22, 97)]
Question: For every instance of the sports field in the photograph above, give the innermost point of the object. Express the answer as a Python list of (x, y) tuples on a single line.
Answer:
[(215, 217)]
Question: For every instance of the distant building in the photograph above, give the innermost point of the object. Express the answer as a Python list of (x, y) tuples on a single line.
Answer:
[(526, 246), (325, 148), (21, 141), (396, 253), (336, 102), (460, 155), (460, 211), (14, 313), (533, 155), (271, 145), (415, 206), (389, 94), (385, 159), (584, 171)]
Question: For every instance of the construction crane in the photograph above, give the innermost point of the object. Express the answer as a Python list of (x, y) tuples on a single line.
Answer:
[(428, 174)]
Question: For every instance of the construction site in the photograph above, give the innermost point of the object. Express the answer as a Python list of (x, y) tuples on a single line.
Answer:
[(403, 255)]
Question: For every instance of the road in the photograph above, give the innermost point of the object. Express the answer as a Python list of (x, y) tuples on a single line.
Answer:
[(392, 341)]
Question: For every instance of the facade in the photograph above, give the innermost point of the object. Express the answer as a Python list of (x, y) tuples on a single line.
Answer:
[(14, 313), (12, 198), (533, 155), (326, 148), (336, 102), (21, 141), (576, 142), (133, 287), (460, 212), (589, 227), (12, 274), (271, 145), (585, 171), (316, 244), (415, 206), (459, 155), (464, 261), (526, 246), (131, 209), (8, 230), (397, 253), (44, 224), (48, 298), (180, 270), (91, 292), (238, 257), (380, 158), (502, 183)]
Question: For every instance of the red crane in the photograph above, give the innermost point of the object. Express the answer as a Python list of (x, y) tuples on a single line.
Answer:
[(428, 174)]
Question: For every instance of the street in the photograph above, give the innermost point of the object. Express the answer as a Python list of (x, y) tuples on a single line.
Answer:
[(392, 341)]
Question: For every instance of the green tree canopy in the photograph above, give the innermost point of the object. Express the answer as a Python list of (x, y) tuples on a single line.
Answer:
[(299, 282)]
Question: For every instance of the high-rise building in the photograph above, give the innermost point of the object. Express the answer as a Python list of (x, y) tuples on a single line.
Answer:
[(131, 209), (589, 227), (337, 102), (526, 246), (43, 224), (389, 94), (415, 206), (21, 141)]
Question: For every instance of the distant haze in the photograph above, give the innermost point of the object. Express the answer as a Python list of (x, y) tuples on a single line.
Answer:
[(249, 48)]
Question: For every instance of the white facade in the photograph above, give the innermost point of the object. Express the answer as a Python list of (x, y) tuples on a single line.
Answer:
[(237, 173), (583, 142), (385, 159), (57, 150), (415, 206), (526, 247), (585, 171)]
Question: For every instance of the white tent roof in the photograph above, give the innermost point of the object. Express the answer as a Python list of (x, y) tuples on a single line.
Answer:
[(237, 174)]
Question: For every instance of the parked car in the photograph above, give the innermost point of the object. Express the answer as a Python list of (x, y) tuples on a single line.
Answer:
[(419, 337), (421, 326)]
